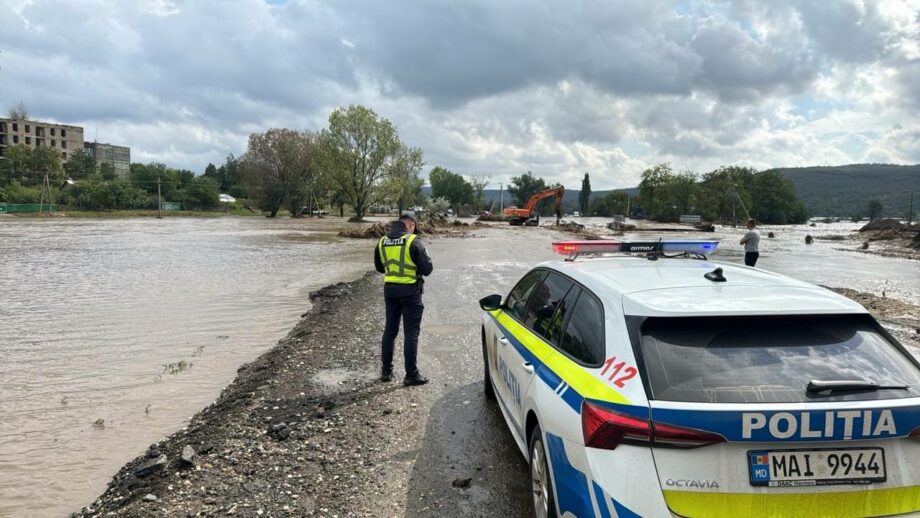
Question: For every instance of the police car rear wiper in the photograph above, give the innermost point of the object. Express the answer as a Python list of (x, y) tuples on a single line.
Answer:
[(818, 386)]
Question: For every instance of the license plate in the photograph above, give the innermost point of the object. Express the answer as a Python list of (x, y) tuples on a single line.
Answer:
[(780, 468)]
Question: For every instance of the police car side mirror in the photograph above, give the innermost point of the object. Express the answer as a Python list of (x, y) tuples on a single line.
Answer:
[(491, 303)]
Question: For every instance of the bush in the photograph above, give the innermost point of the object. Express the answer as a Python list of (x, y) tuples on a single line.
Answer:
[(16, 193), (202, 193), (114, 195)]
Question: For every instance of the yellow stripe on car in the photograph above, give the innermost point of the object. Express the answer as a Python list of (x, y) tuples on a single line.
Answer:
[(861, 503), (578, 378)]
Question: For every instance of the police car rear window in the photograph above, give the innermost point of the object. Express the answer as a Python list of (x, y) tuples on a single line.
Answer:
[(770, 360)]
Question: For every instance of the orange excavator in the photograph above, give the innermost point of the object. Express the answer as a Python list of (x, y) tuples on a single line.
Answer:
[(528, 215)]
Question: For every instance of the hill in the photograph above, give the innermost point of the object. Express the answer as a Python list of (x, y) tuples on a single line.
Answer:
[(846, 190)]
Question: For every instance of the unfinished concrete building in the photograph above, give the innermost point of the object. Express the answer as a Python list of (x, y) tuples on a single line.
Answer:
[(63, 138)]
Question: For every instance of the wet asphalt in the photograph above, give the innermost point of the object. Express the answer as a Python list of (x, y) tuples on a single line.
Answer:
[(465, 435)]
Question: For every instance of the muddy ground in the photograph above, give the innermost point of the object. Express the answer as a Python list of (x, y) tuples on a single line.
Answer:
[(306, 430)]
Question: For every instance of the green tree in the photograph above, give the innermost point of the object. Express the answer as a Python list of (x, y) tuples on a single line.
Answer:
[(355, 151), (612, 204), (584, 197), (403, 184), (653, 180), (875, 209), (81, 165), (724, 193), (277, 166), (524, 186), (201, 193), (450, 186), (775, 200), (107, 171), (17, 164), (211, 172), (230, 177)]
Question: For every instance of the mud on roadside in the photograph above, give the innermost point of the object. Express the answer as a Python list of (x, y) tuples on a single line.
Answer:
[(900, 318), (296, 434)]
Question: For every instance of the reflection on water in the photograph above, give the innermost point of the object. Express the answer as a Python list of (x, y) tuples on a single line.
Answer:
[(135, 325)]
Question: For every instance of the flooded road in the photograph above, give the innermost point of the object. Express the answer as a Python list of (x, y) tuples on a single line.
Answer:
[(114, 332)]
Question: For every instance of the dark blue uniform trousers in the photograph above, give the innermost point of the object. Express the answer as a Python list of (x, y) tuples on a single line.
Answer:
[(410, 310)]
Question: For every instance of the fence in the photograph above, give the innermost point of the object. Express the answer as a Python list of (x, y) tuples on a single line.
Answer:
[(25, 207), (691, 219), (170, 205)]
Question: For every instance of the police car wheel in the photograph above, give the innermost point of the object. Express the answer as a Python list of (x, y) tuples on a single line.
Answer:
[(541, 482), (486, 377)]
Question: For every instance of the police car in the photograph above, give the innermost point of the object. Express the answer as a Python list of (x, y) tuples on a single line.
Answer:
[(647, 384)]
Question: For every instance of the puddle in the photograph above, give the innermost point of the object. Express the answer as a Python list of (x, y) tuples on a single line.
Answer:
[(339, 379)]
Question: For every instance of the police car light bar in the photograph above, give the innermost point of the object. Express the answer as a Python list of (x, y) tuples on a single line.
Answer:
[(693, 246)]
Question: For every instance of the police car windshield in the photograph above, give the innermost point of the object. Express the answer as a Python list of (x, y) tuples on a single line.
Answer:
[(771, 359)]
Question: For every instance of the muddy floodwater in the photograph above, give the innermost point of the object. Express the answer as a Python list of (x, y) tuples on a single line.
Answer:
[(114, 332)]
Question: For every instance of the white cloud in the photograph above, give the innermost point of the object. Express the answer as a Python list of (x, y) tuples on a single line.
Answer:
[(605, 86)]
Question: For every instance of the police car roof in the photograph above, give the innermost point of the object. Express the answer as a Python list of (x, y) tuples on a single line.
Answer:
[(677, 287)]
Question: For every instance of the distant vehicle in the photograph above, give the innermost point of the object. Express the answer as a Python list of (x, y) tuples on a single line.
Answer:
[(576, 214), (663, 384), (528, 215), (225, 198)]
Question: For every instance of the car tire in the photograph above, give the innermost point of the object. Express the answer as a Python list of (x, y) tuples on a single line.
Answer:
[(541, 480), (488, 388)]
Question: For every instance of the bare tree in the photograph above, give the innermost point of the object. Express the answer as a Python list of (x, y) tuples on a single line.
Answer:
[(479, 183), (19, 112)]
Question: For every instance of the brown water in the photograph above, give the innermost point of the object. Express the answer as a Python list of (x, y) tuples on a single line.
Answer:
[(93, 312)]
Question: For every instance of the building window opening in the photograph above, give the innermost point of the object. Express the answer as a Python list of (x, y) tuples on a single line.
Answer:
[(28, 141), (63, 133), (64, 143)]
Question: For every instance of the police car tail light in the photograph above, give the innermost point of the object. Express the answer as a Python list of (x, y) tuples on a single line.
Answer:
[(606, 429), (915, 435), (586, 247), (677, 437)]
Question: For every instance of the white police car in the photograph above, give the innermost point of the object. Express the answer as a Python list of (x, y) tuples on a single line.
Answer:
[(644, 385)]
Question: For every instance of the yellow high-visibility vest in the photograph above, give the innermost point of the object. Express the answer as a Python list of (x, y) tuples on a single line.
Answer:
[(397, 262)]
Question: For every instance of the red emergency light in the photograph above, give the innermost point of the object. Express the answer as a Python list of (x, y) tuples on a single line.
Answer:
[(586, 247)]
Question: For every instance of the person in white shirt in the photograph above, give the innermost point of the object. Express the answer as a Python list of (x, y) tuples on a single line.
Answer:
[(751, 242)]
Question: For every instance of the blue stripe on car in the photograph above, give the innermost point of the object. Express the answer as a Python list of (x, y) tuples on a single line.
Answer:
[(572, 494)]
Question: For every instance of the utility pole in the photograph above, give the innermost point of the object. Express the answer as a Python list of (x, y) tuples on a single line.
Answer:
[(910, 211), (501, 198), (159, 199)]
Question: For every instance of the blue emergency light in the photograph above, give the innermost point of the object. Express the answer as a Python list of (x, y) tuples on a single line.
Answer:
[(676, 246)]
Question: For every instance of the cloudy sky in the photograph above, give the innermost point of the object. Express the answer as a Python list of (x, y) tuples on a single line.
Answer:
[(492, 87)]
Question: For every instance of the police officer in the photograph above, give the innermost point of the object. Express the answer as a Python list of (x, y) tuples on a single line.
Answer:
[(403, 260)]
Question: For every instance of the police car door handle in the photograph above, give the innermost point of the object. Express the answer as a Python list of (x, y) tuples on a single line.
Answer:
[(528, 367), (503, 340)]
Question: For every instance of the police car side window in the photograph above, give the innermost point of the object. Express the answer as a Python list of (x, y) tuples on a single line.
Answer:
[(546, 298), (561, 312), (583, 337), (517, 299)]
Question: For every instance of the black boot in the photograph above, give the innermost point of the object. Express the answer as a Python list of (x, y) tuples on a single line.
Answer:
[(417, 379), (386, 376)]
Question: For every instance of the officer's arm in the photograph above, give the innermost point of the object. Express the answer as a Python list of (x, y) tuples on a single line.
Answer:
[(421, 258), (378, 262)]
